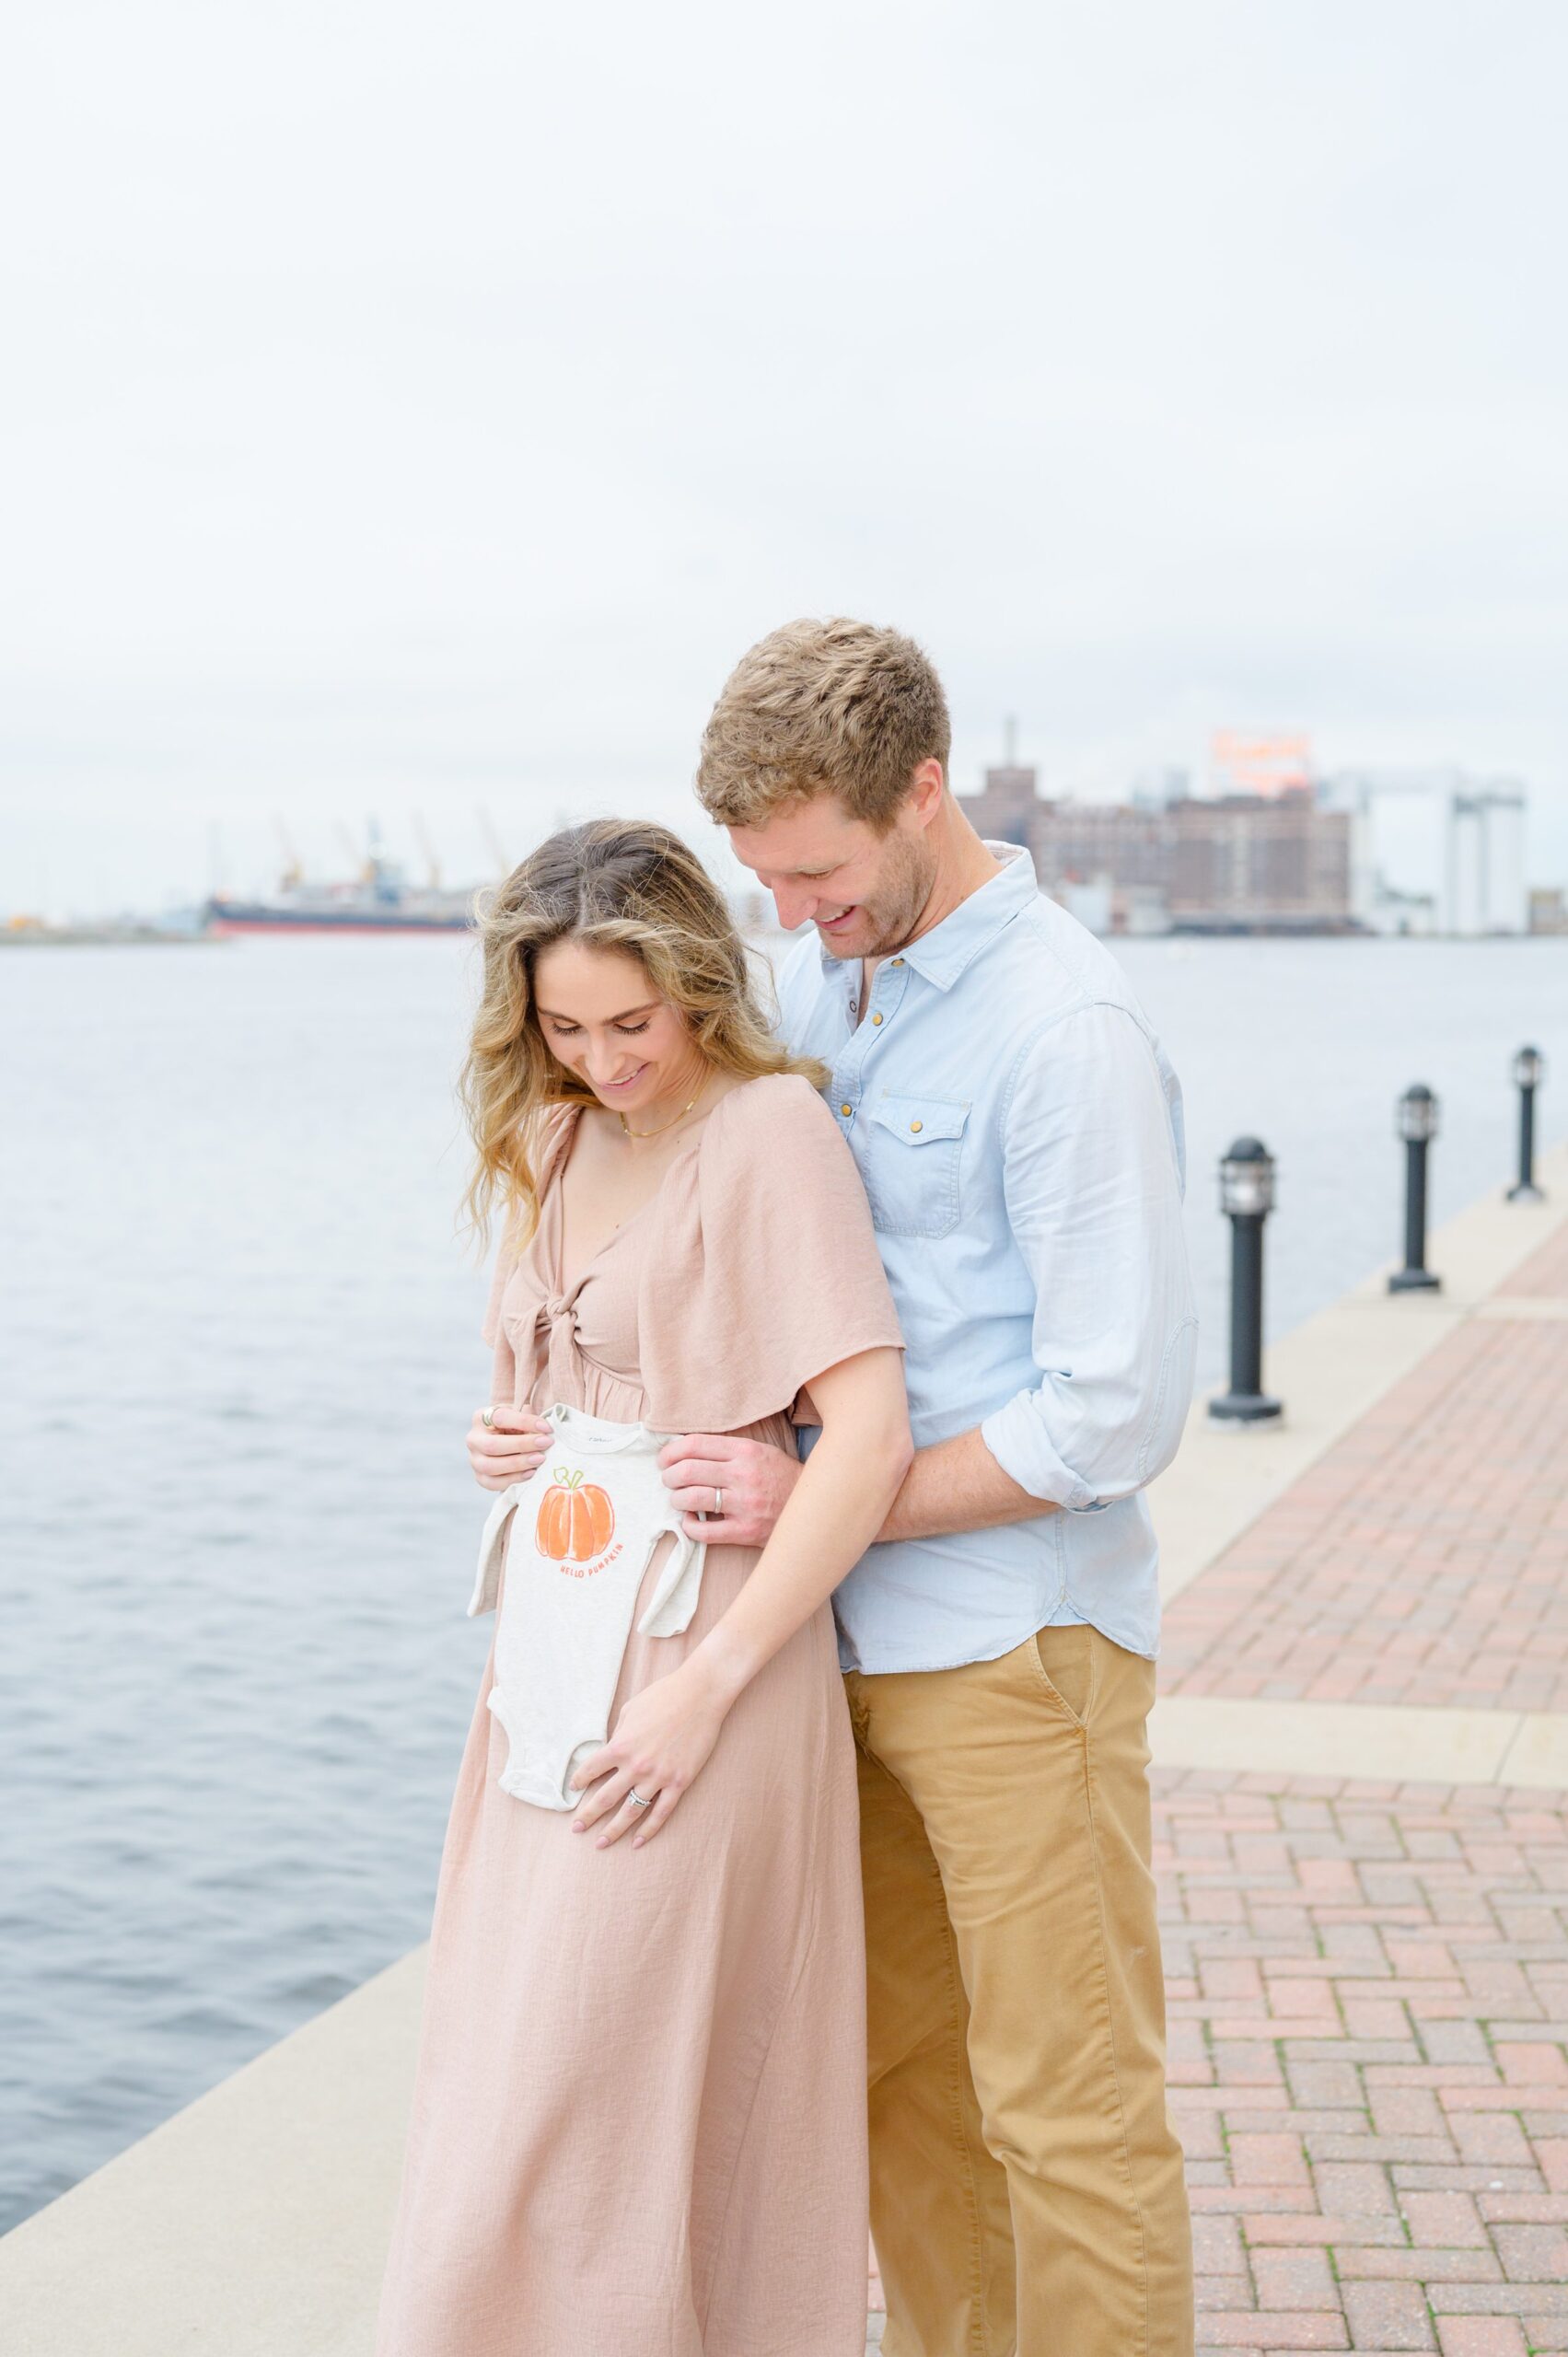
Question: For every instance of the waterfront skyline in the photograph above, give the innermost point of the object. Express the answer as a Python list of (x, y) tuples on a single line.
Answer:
[(415, 413)]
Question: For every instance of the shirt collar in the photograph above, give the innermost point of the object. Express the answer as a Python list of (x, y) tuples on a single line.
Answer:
[(941, 955)]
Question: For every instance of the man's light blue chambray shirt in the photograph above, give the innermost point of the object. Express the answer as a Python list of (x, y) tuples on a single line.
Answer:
[(1019, 1131)]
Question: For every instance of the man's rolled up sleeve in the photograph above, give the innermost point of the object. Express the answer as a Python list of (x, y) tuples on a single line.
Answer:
[(1094, 1186)]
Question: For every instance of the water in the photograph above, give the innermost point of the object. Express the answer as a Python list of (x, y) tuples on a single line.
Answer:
[(237, 1523)]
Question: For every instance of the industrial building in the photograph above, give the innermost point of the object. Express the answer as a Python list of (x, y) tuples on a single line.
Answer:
[(1280, 848), (1240, 863)]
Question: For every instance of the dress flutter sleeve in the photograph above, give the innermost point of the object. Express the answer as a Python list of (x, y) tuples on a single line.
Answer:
[(766, 1272)]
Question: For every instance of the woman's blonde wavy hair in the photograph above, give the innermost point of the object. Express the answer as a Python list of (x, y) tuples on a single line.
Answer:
[(620, 884)]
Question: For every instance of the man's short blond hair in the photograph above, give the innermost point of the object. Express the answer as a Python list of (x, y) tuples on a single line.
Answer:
[(822, 707)]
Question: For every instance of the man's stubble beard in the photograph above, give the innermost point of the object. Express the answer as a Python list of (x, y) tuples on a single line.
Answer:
[(901, 901)]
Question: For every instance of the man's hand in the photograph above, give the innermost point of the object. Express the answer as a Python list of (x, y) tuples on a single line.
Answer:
[(753, 1477)]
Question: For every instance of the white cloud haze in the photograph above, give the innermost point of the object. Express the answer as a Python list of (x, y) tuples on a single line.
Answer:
[(407, 406)]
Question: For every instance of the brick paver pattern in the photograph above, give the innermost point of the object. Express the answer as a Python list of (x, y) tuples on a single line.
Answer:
[(1368, 1999), (1367, 1987), (1544, 1275), (1421, 1559)]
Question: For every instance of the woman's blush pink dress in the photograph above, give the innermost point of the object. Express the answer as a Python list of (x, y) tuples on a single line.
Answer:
[(639, 2114)]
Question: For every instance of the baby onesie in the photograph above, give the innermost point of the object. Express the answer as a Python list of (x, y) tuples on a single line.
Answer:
[(586, 1524)]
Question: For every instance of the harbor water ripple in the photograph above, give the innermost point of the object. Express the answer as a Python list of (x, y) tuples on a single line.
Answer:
[(237, 1523)]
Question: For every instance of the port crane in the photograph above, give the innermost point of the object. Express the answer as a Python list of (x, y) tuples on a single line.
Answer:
[(1481, 848)]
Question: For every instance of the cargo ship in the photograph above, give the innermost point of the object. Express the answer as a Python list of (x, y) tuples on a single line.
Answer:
[(379, 899)]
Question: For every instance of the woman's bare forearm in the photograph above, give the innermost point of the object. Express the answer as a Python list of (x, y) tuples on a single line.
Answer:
[(833, 1514)]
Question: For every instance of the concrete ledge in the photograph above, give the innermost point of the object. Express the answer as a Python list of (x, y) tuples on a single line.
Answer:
[(1336, 1366), (1394, 1742), (1539, 1753), (253, 2223)]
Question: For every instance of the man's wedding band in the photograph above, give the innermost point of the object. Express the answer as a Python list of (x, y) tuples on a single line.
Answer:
[(718, 1500), (487, 1418), (640, 1800)]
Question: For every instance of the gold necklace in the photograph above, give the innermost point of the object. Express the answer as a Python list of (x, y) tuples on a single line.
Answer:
[(663, 1125)]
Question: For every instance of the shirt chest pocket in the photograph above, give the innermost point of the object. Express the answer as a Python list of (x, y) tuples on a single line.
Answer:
[(909, 1158)]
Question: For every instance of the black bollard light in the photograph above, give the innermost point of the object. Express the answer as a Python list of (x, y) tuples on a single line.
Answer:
[(1247, 1197), (1416, 1122), (1529, 1071)]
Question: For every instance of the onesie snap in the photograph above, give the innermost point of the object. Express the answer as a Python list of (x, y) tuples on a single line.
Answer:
[(583, 1531)]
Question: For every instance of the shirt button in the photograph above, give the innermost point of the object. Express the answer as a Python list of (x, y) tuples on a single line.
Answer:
[(917, 1125), (876, 1019), (898, 962), (844, 1110)]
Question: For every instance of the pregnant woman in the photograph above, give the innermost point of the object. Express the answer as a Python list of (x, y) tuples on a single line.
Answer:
[(639, 2114)]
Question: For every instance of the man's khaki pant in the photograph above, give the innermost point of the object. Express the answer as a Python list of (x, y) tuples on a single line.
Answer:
[(1026, 2191)]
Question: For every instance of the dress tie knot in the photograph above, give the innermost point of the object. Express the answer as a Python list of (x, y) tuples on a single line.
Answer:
[(554, 1342)]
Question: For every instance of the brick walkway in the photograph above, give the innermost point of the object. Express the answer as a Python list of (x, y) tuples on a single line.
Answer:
[(1368, 1990), (1545, 1273), (1388, 1573), (1368, 1983), (1368, 1999)]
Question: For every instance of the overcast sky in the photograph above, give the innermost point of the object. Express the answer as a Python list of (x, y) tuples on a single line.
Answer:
[(410, 407)]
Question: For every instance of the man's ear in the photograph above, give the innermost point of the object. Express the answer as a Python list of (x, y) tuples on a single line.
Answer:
[(926, 787)]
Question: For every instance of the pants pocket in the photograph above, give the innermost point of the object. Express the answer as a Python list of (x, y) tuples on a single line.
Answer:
[(1065, 1661)]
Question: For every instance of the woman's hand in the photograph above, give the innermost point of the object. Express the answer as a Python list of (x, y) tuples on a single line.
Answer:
[(661, 1740), (514, 1445)]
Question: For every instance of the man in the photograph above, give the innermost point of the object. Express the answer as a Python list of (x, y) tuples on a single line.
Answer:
[(1019, 1132)]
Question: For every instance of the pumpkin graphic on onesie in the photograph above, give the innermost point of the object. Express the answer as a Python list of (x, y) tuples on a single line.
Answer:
[(576, 1520)]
